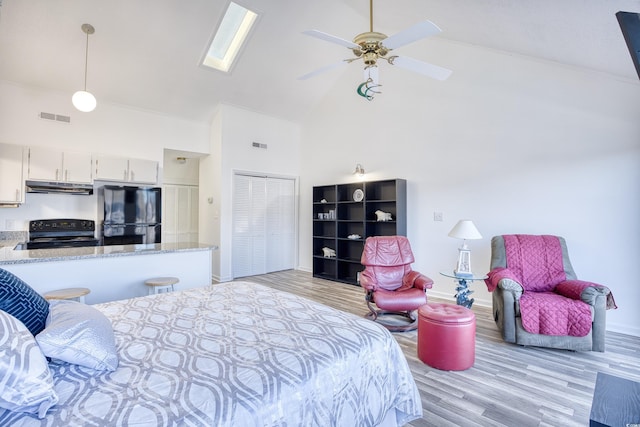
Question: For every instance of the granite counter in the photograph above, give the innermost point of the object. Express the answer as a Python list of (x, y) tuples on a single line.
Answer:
[(9, 255), (110, 272)]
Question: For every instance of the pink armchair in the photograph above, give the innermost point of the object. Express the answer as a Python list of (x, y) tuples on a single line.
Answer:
[(390, 283), (537, 298)]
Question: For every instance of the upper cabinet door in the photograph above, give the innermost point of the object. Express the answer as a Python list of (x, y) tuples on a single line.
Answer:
[(45, 164), (11, 178), (143, 171), (126, 170), (50, 164), (77, 167), (111, 168)]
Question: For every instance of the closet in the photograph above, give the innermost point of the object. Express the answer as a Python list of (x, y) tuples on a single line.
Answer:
[(264, 224)]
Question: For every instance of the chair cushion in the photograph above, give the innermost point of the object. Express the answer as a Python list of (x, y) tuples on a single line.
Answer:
[(388, 278), (548, 313), (387, 251), (406, 300), (535, 260)]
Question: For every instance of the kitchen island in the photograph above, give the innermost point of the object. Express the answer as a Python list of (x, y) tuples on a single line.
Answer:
[(110, 272)]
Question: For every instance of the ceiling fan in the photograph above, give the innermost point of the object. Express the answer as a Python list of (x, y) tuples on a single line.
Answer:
[(373, 46)]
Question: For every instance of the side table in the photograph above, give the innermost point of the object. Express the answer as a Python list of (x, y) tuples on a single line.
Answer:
[(462, 289)]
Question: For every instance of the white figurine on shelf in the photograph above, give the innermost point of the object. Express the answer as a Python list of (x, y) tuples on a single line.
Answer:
[(328, 252), (383, 216)]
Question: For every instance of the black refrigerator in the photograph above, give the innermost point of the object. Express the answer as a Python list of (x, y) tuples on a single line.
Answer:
[(130, 215)]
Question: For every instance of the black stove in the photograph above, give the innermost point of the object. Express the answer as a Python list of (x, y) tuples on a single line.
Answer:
[(61, 233)]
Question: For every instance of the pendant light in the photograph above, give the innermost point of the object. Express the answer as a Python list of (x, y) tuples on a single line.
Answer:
[(83, 100)]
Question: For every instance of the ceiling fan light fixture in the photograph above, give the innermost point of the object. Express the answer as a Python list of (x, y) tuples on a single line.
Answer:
[(84, 101), (372, 46)]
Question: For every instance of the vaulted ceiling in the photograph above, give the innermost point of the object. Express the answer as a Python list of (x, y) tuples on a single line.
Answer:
[(146, 53)]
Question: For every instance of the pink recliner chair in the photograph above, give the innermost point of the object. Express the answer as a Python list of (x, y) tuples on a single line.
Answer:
[(538, 299), (390, 283)]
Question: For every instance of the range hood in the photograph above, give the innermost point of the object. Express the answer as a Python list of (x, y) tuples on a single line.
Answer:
[(58, 187)]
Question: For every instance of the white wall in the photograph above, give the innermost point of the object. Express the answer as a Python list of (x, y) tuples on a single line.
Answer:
[(515, 144), (233, 132), (110, 128)]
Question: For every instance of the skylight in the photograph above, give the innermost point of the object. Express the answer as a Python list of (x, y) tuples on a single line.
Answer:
[(230, 37)]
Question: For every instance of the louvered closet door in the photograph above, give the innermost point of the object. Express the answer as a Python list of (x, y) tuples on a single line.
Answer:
[(263, 225), (249, 203), (280, 224)]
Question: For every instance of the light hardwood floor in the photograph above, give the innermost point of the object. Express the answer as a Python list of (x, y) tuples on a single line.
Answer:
[(508, 385)]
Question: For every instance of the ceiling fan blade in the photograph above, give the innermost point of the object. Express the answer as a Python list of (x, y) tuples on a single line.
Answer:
[(333, 39), (420, 67), (323, 69), (411, 34)]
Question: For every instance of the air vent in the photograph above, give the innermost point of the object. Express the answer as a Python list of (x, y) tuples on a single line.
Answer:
[(258, 145), (55, 117)]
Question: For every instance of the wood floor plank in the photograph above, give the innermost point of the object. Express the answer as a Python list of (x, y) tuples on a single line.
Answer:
[(508, 385)]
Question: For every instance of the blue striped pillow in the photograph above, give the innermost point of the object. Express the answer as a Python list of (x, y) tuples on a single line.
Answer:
[(22, 302)]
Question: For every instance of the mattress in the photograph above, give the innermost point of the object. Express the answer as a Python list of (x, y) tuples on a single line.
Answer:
[(236, 354)]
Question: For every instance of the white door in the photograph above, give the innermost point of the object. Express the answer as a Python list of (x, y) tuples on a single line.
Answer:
[(280, 224), (180, 214), (263, 225)]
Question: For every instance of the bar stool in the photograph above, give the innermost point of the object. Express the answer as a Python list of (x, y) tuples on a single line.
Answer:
[(68, 293), (161, 284)]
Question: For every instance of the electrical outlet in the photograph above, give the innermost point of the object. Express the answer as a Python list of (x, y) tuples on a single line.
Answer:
[(437, 216), (10, 224)]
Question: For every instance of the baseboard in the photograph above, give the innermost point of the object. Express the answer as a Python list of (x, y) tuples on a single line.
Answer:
[(623, 329)]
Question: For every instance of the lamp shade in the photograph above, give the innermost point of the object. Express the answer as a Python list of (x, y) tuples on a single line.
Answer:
[(84, 101), (465, 229)]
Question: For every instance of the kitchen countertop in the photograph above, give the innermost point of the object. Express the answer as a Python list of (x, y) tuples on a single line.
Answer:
[(8, 255)]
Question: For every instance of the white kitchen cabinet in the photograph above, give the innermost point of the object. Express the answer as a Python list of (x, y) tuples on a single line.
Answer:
[(11, 177), (50, 164), (143, 171), (121, 169)]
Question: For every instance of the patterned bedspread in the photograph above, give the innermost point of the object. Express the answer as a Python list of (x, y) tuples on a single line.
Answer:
[(236, 354)]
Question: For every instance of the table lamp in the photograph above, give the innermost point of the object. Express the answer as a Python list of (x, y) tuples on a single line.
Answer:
[(465, 230)]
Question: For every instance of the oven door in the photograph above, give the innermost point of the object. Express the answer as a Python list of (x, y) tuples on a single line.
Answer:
[(54, 243)]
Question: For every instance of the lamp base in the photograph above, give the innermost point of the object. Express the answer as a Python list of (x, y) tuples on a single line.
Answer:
[(463, 269)]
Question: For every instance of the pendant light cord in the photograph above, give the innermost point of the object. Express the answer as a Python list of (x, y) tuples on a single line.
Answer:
[(86, 61), (371, 16)]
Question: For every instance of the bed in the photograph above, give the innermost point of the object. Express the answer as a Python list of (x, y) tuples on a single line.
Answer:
[(235, 354)]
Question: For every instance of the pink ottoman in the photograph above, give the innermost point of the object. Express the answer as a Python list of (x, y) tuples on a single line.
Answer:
[(446, 336)]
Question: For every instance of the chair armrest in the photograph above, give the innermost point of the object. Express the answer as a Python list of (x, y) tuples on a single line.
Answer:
[(415, 279), (511, 285), (585, 291), (368, 282), (504, 278)]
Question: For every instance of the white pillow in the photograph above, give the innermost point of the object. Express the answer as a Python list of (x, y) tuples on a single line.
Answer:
[(79, 334), (26, 384)]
